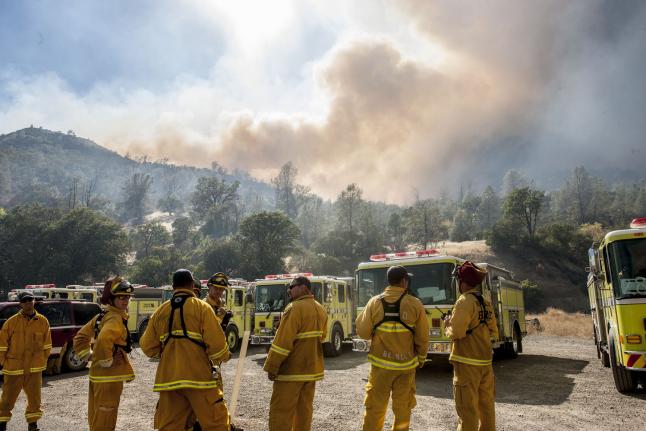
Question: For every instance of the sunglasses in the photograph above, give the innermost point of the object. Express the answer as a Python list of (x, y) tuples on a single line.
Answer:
[(291, 286), (25, 300)]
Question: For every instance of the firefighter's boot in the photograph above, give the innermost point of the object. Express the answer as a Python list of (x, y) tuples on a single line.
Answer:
[(3, 426), (33, 426), (235, 428)]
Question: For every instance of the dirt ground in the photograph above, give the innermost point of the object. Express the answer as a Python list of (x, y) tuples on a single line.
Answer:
[(557, 384)]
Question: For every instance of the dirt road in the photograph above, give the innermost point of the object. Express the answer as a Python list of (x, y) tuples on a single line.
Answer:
[(556, 384)]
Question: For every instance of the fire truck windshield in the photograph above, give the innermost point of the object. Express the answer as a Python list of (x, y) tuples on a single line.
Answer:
[(432, 283), (628, 267), (271, 297)]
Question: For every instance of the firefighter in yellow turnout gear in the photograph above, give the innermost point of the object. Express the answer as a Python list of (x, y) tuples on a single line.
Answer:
[(25, 343), (471, 326), (217, 285), (295, 360), (110, 366), (397, 326), (186, 337)]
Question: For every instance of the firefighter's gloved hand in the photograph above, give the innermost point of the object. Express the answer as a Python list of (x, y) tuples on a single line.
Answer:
[(271, 376)]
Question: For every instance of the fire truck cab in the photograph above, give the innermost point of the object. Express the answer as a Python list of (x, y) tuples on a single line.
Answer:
[(335, 294), (617, 293), (434, 285)]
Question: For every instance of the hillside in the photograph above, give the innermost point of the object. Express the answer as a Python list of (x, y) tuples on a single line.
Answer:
[(562, 284), (39, 165)]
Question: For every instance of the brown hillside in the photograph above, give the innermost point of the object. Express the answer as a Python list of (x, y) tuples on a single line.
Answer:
[(562, 284)]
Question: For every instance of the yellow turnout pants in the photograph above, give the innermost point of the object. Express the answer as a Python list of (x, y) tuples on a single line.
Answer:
[(13, 384), (474, 394), (103, 405), (381, 383), (291, 406), (174, 408)]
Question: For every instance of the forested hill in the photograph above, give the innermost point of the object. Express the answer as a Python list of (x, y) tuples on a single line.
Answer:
[(39, 165)]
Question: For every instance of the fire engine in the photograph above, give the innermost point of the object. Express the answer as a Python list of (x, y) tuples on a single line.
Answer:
[(335, 294), (617, 292), (433, 283)]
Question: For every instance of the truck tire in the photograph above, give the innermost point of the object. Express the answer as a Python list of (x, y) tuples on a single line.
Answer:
[(73, 362), (142, 328), (334, 347), (233, 338), (515, 346), (624, 379), (596, 341)]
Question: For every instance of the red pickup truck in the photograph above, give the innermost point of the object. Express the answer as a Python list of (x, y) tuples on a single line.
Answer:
[(65, 319)]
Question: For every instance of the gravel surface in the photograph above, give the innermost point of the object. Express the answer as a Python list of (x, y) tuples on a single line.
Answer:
[(557, 384)]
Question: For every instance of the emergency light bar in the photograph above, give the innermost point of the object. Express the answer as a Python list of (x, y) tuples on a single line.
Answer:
[(287, 276), (638, 223), (403, 255), (40, 286)]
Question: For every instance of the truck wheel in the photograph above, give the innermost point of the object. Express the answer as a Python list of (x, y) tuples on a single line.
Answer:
[(142, 328), (515, 346), (596, 341), (73, 362), (233, 338), (624, 380), (333, 348)]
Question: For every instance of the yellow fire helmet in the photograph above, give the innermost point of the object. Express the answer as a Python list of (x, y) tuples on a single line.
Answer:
[(219, 279), (121, 287)]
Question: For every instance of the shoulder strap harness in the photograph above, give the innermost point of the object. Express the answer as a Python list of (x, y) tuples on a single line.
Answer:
[(177, 302), (484, 314), (126, 347), (391, 313)]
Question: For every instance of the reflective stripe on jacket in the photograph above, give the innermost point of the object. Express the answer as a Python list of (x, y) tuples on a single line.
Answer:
[(474, 348), (393, 346), (296, 354), (112, 332), (25, 343), (185, 364)]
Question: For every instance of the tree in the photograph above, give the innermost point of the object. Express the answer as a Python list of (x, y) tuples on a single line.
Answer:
[(267, 238), (136, 192), (514, 180), (578, 191), (348, 205), (157, 269), (423, 223), (488, 211), (462, 229), (396, 232), (523, 206), (284, 185), (182, 231), (215, 204), (222, 256), (170, 202), (148, 236), (310, 218)]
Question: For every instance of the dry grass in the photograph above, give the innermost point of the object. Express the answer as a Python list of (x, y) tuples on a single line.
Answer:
[(464, 248), (558, 322)]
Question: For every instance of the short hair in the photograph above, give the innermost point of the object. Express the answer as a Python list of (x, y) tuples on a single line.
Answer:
[(396, 274), (183, 278), (301, 280)]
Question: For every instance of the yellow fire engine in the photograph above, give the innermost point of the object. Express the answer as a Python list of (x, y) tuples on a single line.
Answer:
[(433, 283), (336, 294), (617, 292)]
